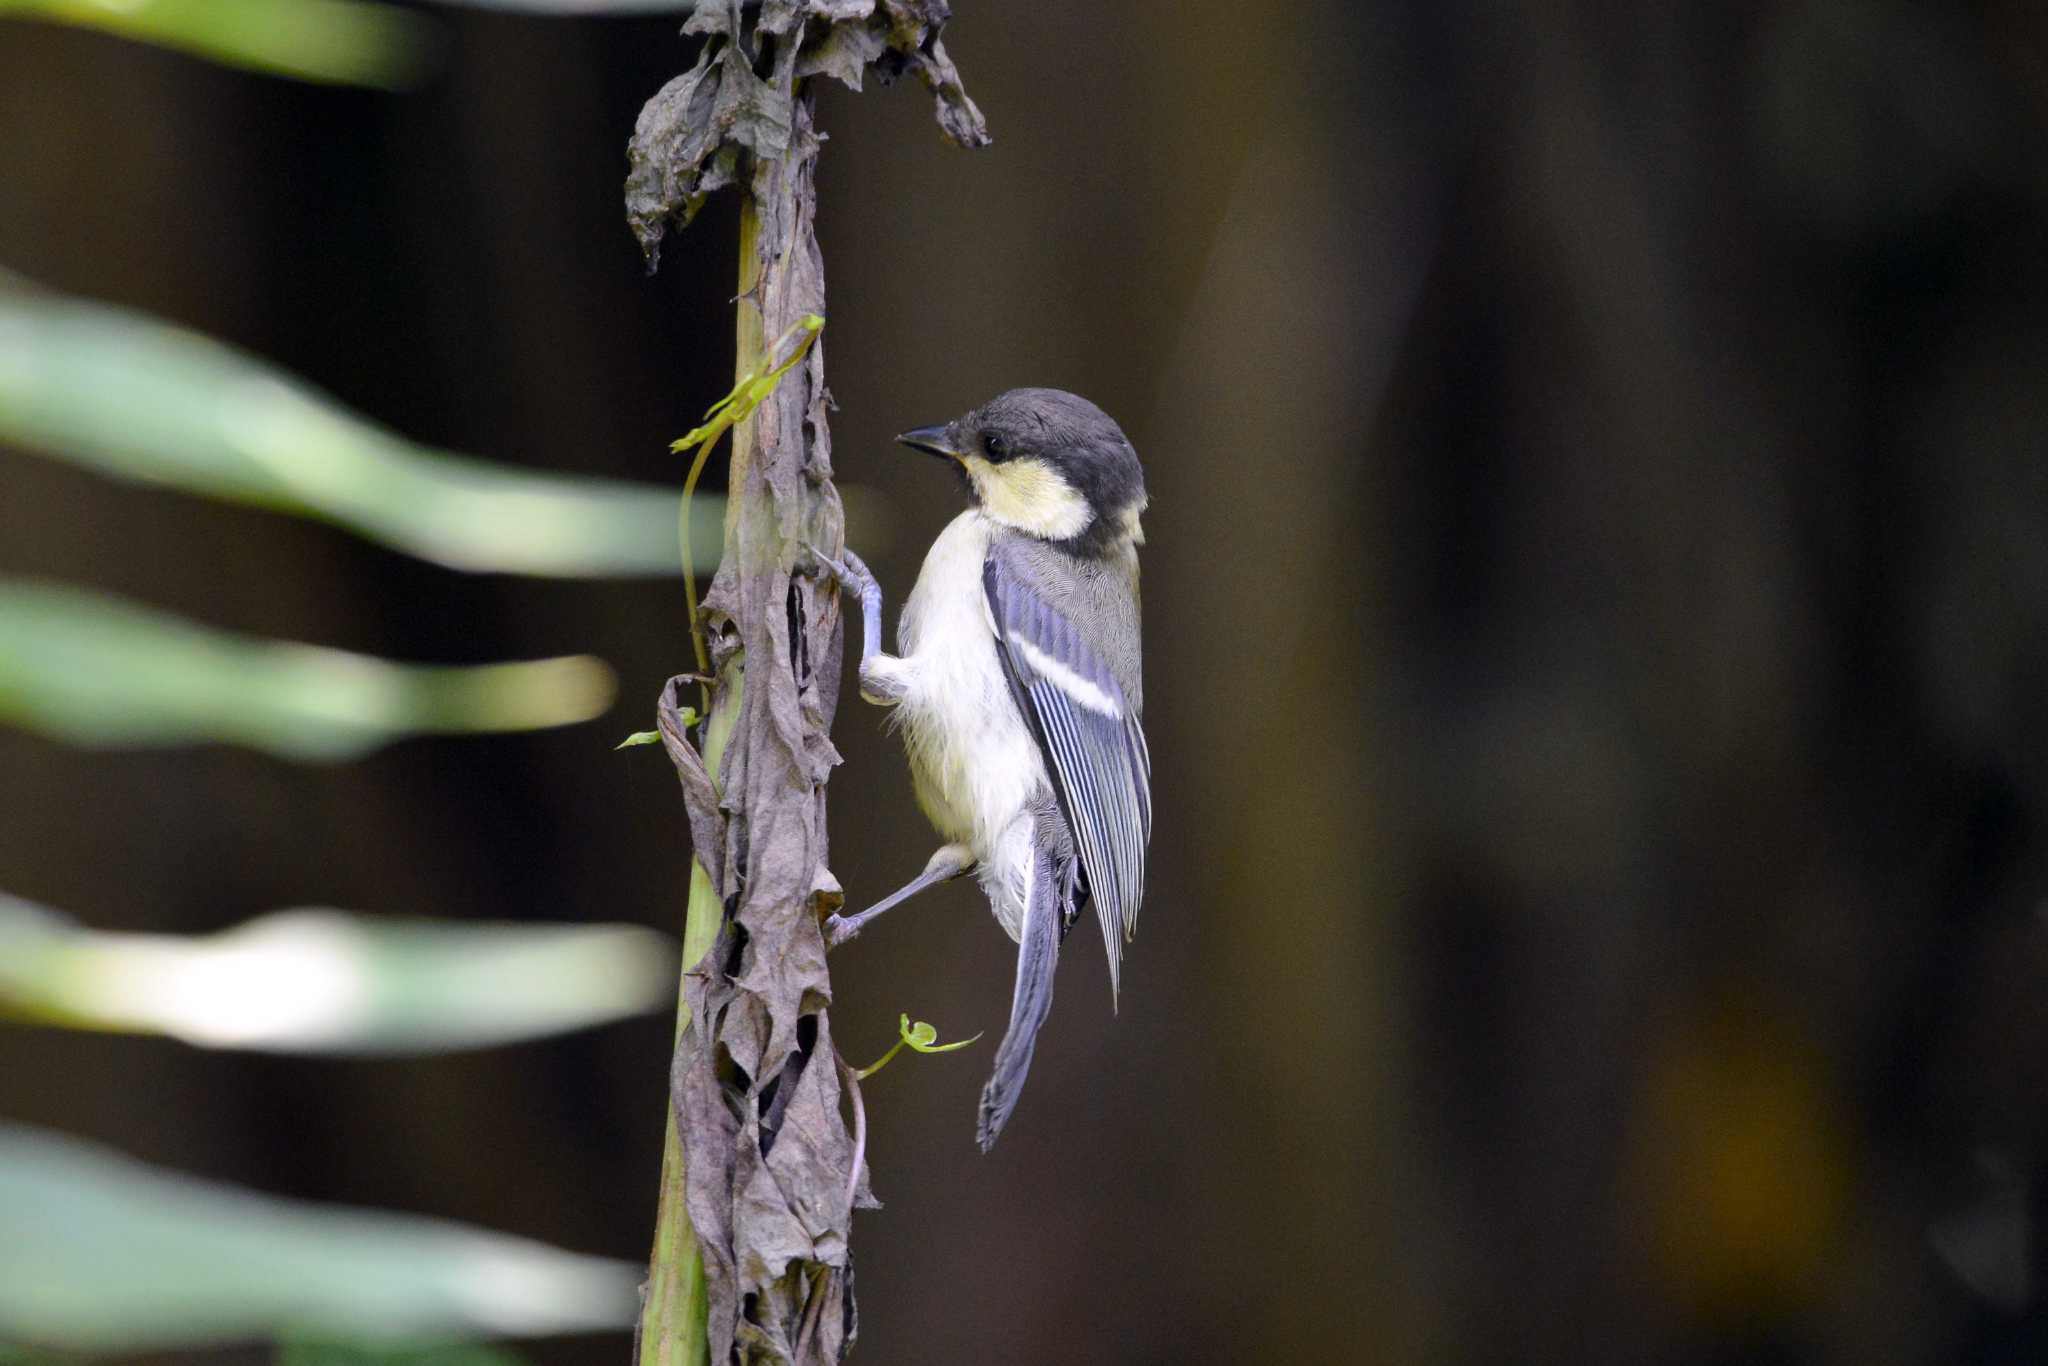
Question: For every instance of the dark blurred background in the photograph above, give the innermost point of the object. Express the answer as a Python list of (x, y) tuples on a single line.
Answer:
[(1595, 640)]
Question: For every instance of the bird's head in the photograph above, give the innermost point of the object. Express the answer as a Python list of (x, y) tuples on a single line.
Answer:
[(1047, 463)]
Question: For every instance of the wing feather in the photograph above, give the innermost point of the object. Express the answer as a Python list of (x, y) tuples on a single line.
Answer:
[(1093, 743)]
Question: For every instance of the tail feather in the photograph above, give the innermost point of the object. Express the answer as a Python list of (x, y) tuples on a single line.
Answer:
[(1038, 954)]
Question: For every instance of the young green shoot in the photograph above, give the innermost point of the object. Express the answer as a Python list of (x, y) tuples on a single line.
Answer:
[(735, 408), (920, 1037)]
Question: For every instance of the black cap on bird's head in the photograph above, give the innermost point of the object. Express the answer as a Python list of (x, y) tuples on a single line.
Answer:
[(1047, 463)]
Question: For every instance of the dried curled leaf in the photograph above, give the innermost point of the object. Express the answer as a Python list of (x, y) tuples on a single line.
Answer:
[(914, 46), (689, 138)]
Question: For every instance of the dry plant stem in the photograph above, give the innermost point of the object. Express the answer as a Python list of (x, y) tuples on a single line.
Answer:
[(766, 1158), (771, 1219)]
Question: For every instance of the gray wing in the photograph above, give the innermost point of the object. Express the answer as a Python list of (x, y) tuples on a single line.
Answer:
[(1093, 743)]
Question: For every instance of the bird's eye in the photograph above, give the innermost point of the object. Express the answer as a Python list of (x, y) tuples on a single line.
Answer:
[(997, 448)]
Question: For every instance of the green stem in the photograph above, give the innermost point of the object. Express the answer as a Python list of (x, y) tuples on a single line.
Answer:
[(673, 1329), (672, 1319), (690, 562)]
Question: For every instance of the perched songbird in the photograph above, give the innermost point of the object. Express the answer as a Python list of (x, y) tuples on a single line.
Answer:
[(1018, 690)]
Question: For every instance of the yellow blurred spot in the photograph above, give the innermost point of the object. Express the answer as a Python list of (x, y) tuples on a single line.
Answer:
[(1746, 1169)]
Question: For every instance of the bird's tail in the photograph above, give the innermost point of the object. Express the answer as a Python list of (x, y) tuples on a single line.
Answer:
[(1038, 954)]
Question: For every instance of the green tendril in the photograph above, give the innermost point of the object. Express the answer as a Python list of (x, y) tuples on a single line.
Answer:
[(920, 1037)]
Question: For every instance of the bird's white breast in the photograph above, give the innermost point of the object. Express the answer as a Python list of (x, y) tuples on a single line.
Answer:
[(973, 761)]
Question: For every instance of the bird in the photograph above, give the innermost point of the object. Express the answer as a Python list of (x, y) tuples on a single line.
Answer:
[(1017, 686)]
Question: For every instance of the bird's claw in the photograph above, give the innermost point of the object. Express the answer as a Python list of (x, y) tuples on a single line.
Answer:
[(848, 569)]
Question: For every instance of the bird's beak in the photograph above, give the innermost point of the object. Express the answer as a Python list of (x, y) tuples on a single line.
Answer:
[(931, 439)]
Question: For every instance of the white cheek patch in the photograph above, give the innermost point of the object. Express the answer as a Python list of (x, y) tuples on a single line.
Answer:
[(1077, 688), (1031, 496)]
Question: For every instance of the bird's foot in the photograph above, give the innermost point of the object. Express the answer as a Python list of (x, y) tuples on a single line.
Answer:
[(840, 928), (849, 571), (881, 676)]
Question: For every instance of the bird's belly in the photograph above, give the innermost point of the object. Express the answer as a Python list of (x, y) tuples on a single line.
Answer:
[(974, 764), (978, 773), (974, 774)]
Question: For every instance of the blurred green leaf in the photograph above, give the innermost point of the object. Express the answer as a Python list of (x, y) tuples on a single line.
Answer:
[(96, 670), (309, 1352), (322, 981), (580, 6), (346, 42), (133, 397), (99, 1252)]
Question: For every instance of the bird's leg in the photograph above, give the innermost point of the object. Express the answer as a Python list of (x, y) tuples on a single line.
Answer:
[(881, 676), (882, 682), (948, 863), (852, 573)]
